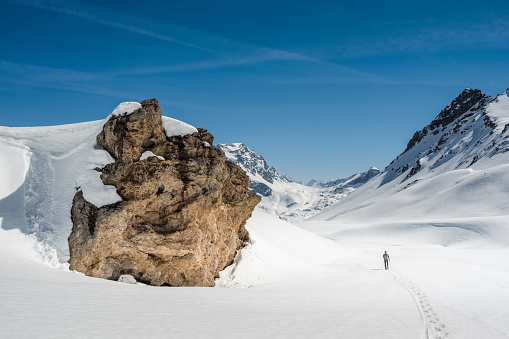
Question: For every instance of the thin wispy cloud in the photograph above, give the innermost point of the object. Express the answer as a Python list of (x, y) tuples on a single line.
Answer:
[(65, 9), (223, 52), (43, 74), (265, 56), (57, 78), (180, 35), (430, 35)]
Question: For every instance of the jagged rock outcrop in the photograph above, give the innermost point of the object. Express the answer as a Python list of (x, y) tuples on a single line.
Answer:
[(182, 215), (465, 101)]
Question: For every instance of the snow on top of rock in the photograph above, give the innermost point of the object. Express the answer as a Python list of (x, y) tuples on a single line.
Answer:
[(149, 154), (174, 127), (127, 107)]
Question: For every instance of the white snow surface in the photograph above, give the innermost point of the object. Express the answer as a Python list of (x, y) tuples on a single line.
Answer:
[(149, 154), (124, 108), (176, 127), (447, 236)]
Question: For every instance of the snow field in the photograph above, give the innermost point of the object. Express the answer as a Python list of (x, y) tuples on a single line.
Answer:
[(301, 285), (335, 299), (280, 253), (458, 280)]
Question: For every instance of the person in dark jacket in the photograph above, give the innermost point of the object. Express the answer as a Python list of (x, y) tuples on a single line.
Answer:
[(386, 260)]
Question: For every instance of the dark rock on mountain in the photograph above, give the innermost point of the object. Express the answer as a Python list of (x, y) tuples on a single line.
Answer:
[(181, 219), (459, 106), (468, 99)]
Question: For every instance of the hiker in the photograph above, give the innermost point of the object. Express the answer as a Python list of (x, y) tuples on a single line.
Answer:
[(386, 260)]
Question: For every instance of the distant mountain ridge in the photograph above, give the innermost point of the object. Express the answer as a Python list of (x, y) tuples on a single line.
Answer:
[(354, 180), (281, 195)]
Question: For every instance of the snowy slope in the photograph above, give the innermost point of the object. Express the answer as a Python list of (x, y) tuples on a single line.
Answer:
[(281, 195)]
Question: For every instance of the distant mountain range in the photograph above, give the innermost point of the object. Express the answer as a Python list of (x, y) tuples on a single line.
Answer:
[(281, 195), (437, 173)]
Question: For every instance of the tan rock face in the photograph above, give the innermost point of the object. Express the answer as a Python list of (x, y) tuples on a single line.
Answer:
[(181, 220)]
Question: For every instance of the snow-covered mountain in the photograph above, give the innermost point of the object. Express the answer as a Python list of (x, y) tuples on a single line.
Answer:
[(456, 166), (255, 165), (281, 195)]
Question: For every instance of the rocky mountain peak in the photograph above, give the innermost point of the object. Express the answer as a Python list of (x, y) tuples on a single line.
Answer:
[(183, 209), (467, 100), (252, 162)]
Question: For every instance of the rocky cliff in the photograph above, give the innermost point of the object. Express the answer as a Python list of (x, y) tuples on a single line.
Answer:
[(183, 209)]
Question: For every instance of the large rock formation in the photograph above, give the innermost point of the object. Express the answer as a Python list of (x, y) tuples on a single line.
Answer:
[(181, 218)]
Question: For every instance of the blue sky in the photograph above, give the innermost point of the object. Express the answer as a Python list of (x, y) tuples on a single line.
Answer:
[(321, 89)]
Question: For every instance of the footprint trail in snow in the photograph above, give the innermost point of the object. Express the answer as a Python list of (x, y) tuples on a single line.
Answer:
[(432, 325)]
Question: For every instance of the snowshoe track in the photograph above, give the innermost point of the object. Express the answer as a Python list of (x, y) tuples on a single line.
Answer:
[(432, 325)]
